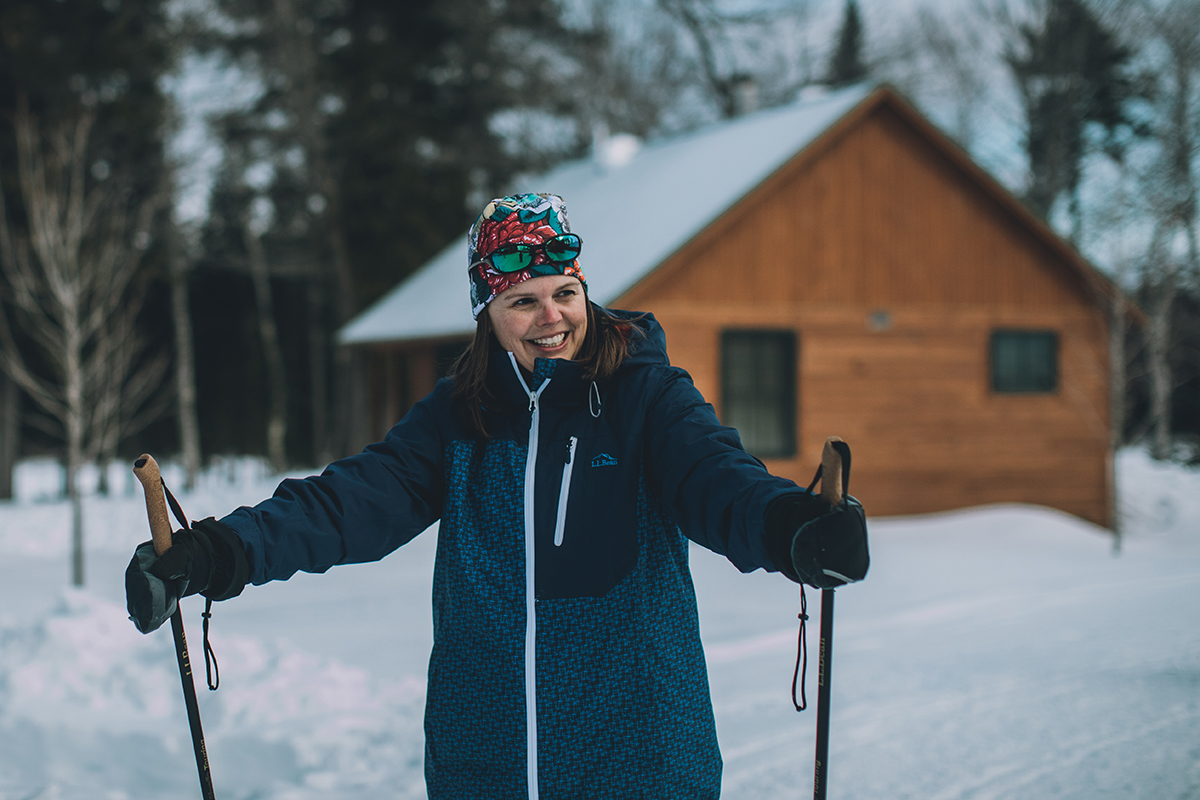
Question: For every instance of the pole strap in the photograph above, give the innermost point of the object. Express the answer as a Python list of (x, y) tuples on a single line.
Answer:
[(802, 640), (212, 671), (801, 656)]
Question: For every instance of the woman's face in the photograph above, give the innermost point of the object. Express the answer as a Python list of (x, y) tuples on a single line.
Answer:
[(544, 317)]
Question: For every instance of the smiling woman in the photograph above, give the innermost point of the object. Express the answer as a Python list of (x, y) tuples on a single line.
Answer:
[(568, 464), (541, 318)]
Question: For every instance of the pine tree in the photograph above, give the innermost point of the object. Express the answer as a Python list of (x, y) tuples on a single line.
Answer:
[(1071, 71), (375, 136), (846, 65)]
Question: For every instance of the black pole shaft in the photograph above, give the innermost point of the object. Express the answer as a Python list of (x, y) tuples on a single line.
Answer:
[(825, 674), (193, 708)]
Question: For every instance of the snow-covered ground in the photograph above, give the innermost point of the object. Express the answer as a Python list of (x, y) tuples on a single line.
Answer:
[(992, 653)]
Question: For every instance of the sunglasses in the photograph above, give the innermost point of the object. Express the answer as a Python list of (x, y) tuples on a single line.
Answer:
[(516, 257)]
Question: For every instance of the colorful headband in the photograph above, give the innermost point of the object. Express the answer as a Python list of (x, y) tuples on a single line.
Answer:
[(523, 219)]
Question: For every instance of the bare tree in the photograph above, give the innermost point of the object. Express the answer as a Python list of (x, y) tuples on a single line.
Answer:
[(185, 362), (627, 77), (252, 230), (72, 275), (746, 58), (943, 57), (1172, 29)]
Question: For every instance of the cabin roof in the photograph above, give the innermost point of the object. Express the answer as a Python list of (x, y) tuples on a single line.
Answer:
[(631, 217), (635, 216)]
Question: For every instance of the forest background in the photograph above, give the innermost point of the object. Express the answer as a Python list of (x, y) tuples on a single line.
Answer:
[(195, 195)]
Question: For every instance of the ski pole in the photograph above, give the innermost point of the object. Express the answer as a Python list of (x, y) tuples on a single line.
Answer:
[(146, 470), (834, 459)]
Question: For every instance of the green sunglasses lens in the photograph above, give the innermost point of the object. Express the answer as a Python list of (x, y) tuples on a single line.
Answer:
[(563, 248), (512, 258)]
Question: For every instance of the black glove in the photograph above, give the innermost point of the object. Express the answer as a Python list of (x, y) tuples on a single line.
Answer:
[(209, 559), (818, 544)]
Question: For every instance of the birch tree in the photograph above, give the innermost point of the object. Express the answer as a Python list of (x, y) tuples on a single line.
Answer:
[(185, 360), (72, 274), (253, 228), (1169, 34)]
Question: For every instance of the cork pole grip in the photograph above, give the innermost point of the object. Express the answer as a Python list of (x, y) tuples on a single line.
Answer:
[(146, 470), (831, 472)]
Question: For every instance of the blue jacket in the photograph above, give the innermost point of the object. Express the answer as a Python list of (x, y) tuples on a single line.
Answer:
[(566, 660)]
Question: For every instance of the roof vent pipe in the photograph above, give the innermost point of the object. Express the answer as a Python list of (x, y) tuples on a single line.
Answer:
[(613, 151), (745, 95)]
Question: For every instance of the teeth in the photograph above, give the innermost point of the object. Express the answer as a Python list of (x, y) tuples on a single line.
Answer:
[(553, 341)]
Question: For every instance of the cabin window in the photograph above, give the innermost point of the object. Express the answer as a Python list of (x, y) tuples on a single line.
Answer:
[(758, 390), (1024, 361)]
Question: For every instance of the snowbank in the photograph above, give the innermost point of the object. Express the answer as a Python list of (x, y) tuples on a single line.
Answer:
[(992, 653)]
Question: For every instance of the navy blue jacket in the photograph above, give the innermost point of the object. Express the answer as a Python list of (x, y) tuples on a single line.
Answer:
[(566, 660)]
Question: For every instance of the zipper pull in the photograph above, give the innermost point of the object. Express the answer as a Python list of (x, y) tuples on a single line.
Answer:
[(571, 449), (532, 402)]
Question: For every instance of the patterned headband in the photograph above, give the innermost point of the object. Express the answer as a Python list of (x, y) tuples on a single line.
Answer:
[(517, 219)]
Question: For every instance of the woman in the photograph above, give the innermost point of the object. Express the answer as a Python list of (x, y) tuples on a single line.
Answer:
[(566, 461)]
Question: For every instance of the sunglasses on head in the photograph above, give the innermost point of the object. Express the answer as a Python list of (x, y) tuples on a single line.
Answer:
[(516, 257)]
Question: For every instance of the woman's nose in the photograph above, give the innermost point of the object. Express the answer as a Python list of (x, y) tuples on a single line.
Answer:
[(550, 315)]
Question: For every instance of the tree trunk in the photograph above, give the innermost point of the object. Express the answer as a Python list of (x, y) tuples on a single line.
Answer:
[(348, 389), (10, 433), (185, 369), (300, 61), (272, 353), (1158, 342), (75, 434), (77, 571), (318, 354), (1117, 378)]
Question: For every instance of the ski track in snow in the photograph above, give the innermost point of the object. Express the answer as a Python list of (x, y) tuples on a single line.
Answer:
[(991, 654)]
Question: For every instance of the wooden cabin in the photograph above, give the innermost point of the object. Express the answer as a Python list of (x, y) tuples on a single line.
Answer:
[(834, 267)]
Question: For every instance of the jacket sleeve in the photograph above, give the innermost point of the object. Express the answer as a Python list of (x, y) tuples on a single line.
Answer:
[(716, 492), (359, 509)]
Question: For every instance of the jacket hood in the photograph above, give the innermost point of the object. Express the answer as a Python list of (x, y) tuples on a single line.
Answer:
[(648, 346)]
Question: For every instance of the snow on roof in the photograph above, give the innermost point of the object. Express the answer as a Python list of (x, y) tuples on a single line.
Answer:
[(631, 218)]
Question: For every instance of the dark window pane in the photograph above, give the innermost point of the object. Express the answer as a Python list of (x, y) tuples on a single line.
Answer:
[(758, 387), (1024, 361)]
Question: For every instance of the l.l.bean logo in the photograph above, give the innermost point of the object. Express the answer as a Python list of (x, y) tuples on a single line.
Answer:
[(604, 460)]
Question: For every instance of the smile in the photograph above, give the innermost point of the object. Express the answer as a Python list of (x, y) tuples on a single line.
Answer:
[(551, 341)]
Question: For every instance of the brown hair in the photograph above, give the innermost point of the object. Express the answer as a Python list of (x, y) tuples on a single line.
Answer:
[(604, 348)]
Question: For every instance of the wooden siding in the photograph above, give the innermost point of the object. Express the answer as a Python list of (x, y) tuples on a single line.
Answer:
[(398, 376), (875, 218)]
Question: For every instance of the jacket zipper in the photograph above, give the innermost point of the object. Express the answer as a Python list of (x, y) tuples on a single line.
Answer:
[(561, 522), (530, 586)]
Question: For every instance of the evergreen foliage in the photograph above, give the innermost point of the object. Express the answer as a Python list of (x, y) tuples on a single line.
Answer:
[(846, 65), (1071, 72), (369, 148)]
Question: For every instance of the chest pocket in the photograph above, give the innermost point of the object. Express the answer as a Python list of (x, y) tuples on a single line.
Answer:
[(590, 543)]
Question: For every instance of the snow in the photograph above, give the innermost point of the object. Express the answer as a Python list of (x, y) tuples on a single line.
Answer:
[(1000, 652)]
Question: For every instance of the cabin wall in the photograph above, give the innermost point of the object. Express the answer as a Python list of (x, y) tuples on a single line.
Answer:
[(875, 219), (397, 377)]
